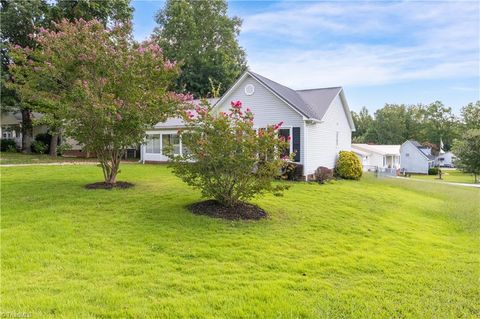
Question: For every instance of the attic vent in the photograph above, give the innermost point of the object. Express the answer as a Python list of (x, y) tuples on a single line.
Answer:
[(249, 89)]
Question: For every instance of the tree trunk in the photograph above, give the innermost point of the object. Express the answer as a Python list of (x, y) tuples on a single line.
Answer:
[(27, 131), (110, 165), (53, 144)]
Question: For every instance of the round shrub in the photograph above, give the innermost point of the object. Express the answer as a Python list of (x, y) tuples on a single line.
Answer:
[(348, 166), (323, 174), (8, 145), (45, 138), (39, 147), (433, 171)]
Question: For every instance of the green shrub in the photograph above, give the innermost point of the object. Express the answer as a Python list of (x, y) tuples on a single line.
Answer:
[(227, 159), (348, 166), (39, 147), (433, 171), (323, 174), (45, 138), (8, 145)]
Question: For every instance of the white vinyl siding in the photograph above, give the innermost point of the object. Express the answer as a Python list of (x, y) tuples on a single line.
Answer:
[(322, 138), (415, 162), (267, 108)]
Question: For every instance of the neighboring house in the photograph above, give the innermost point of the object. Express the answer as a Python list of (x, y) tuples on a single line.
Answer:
[(11, 126), (415, 158), (318, 120), (378, 156), (445, 159)]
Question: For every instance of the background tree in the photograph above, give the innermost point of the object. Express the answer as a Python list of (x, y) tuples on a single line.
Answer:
[(226, 158), (467, 149), (19, 19), (106, 87), (106, 11), (201, 36), (389, 126), (471, 116), (439, 123), (363, 121)]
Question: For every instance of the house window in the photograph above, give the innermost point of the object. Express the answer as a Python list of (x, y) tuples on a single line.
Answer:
[(286, 132), (153, 144), (171, 141), (384, 161), (337, 137)]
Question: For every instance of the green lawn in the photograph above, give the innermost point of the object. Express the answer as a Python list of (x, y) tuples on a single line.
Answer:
[(19, 158), (372, 249), (450, 175)]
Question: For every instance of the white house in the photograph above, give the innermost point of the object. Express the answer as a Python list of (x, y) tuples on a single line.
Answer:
[(445, 159), (415, 158), (378, 156), (318, 120)]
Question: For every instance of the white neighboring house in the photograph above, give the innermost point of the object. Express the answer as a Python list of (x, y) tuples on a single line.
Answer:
[(415, 158), (378, 156), (11, 126), (318, 120), (445, 159)]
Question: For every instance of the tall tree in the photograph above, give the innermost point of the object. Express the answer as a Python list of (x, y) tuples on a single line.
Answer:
[(201, 36), (467, 149), (106, 11), (22, 18), (106, 87), (471, 116), (439, 124), (389, 126), (19, 19), (363, 121)]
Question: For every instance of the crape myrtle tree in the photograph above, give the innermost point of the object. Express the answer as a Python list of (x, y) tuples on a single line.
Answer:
[(226, 158), (106, 87), (467, 149)]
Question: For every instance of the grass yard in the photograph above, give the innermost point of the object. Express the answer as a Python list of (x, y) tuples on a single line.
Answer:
[(370, 249), (20, 158), (449, 175)]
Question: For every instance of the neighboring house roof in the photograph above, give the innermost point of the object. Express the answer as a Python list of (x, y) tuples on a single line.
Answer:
[(379, 149), (176, 122), (312, 104), (15, 118), (360, 152), (419, 147)]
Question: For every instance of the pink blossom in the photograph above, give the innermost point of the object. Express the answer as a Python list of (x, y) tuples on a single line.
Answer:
[(236, 104), (248, 110), (289, 138), (169, 65), (141, 49), (119, 117), (30, 62)]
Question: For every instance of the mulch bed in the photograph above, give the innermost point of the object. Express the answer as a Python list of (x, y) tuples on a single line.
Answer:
[(103, 185), (214, 209)]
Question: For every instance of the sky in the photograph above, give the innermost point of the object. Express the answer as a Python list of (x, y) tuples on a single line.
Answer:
[(379, 51)]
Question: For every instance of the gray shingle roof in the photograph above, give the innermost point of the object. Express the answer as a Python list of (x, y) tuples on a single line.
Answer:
[(312, 103)]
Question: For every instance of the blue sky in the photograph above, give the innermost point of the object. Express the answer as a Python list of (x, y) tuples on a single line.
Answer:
[(380, 52)]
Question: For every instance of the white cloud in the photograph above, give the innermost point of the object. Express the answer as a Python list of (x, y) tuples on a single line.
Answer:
[(369, 43)]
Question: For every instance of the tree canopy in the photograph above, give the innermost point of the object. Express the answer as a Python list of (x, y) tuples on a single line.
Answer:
[(106, 87), (396, 123), (201, 36)]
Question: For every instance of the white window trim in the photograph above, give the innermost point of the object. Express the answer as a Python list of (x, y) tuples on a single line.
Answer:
[(161, 144)]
